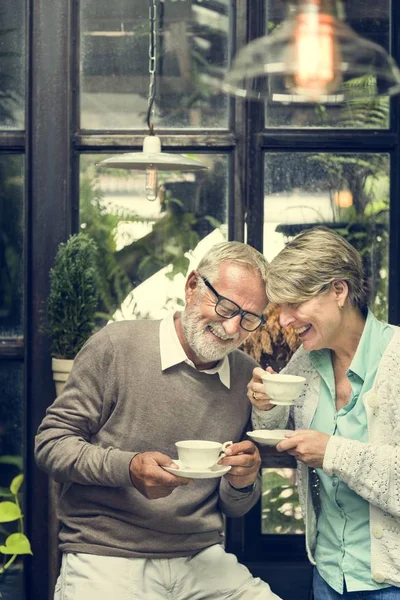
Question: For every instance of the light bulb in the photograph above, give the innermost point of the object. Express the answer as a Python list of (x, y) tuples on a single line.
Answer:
[(151, 185), (317, 68)]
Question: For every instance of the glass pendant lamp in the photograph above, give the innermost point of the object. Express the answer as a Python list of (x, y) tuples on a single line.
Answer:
[(311, 57), (152, 159)]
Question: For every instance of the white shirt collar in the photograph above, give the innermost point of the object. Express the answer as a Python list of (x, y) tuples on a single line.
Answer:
[(172, 353)]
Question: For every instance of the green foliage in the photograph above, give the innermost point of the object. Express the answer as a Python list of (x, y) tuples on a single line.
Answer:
[(100, 224), (15, 543), (280, 510), (72, 301)]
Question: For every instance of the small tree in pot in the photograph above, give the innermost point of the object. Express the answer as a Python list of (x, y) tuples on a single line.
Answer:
[(72, 303)]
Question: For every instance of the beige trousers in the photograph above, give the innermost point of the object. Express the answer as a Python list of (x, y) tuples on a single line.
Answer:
[(212, 574)]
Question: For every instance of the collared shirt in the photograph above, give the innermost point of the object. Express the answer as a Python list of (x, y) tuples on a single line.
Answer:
[(172, 353), (343, 549)]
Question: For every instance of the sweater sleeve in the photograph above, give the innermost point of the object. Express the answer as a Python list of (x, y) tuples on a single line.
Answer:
[(371, 470), (276, 418), (64, 443), (234, 503)]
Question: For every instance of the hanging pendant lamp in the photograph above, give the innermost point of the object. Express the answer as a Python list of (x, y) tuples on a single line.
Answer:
[(152, 159), (311, 57)]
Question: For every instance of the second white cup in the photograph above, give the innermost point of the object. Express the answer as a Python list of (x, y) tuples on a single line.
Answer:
[(200, 454)]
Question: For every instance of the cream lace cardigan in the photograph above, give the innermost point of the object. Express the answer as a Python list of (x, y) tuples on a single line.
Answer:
[(371, 469)]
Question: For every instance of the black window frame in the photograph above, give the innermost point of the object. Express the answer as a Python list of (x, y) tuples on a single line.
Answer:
[(52, 145)]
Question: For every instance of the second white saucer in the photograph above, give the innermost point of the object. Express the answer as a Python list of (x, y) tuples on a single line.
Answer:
[(214, 471), (268, 437)]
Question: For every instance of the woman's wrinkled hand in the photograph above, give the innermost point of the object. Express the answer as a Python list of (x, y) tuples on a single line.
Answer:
[(255, 390), (306, 445)]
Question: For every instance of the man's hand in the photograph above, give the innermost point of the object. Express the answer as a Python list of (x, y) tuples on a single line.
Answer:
[(306, 445), (148, 476), (255, 390), (245, 460)]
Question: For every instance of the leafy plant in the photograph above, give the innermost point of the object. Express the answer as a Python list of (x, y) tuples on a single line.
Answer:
[(72, 302), (16, 543), (280, 502)]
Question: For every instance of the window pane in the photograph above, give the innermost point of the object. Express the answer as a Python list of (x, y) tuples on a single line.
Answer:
[(11, 243), (11, 452), (347, 192), (280, 508), (369, 20), (192, 49), (12, 64), (149, 246)]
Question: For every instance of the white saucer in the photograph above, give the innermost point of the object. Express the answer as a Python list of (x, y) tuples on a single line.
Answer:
[(268, 437), (214, 471)]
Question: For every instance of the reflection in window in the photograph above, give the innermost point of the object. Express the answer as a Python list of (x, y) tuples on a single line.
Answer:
[(280, 508), (369, 20), (12, 64), (192, 57), (347, 192), (11, 244), (149, 247)]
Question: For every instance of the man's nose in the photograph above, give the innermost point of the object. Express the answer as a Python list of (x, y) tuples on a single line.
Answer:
[(285, 315), (232, 326)]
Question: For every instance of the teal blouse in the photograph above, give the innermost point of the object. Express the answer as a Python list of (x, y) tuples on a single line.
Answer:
[(343, 542)]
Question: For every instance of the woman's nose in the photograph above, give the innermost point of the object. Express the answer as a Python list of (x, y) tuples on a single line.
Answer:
[(285, 316)]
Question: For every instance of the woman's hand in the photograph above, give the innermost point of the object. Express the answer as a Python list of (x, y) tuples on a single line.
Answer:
[(255, 390), (306, 445)]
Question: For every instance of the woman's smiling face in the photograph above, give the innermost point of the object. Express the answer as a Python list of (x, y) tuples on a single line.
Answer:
[(317, 321)]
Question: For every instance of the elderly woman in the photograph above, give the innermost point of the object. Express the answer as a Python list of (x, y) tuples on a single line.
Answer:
[(346, 421)]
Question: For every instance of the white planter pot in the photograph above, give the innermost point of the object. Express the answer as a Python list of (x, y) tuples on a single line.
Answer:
[(61, 369)]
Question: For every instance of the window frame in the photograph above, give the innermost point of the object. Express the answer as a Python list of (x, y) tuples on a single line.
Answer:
[(52, 144)]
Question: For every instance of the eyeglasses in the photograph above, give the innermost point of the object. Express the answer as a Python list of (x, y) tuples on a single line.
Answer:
[(228, 309)]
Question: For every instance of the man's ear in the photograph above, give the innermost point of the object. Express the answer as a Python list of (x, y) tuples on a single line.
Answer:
[(191, 284)]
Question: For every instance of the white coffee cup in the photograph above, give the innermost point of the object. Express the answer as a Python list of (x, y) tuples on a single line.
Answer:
[(282, 388), (200, 454)]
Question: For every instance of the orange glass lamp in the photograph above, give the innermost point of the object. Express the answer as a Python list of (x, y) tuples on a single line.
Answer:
[(308, 58), (316, 54)]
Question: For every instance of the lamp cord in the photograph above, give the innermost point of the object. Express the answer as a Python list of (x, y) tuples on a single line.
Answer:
[(152, 63)]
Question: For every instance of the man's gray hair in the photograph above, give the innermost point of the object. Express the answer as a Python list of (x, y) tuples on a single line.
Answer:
[(310, 262), (237, 253)]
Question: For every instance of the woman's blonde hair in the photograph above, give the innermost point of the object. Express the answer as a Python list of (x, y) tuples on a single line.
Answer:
[(310, 263)]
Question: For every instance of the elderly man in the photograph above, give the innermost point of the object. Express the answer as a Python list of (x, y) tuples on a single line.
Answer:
[(129, 527)]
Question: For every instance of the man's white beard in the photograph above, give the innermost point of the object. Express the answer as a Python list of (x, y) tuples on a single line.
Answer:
[(204, 347)]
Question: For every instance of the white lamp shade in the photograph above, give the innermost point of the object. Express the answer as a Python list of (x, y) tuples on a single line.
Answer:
[(152, 156)]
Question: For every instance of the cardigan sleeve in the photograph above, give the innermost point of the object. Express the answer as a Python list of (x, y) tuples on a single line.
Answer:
[(371, 470)]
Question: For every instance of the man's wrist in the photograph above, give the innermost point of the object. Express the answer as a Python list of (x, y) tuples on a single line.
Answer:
[(244, 490)]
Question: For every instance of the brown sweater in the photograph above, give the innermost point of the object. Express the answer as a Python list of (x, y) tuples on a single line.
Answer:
[(117, 401)]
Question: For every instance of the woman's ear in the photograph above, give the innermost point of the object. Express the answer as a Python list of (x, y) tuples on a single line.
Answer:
[(341, 290)]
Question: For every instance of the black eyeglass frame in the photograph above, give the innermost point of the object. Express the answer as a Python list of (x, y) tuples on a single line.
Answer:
[(238, 311)]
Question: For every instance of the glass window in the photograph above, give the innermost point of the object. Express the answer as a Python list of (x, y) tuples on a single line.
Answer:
[(148, 247), (11, 244), (12, 64), (192, 49), (11, 461), (280, 508), (347, 192), (369, 20)]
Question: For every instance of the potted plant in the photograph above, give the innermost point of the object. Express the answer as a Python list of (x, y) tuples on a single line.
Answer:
[(71, 304)]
